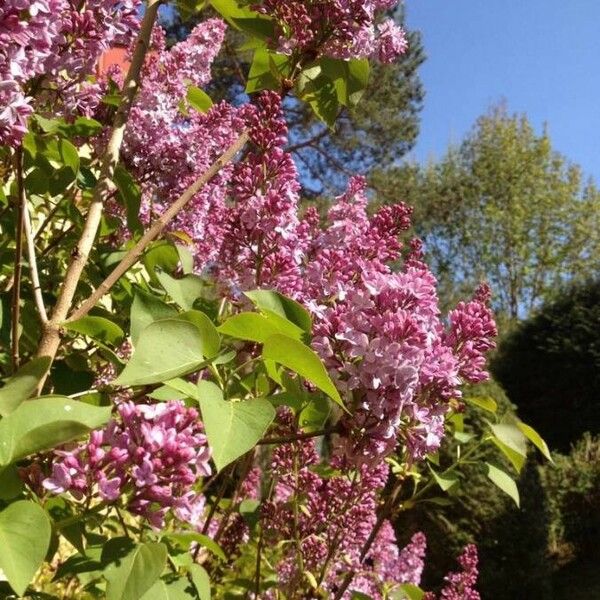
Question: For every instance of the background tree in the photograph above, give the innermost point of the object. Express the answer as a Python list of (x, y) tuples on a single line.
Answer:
[(378, 134), (505, 207)]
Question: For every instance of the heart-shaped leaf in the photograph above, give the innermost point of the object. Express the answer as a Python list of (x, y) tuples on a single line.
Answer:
[(233, 427), (132, 568), (24, 538)]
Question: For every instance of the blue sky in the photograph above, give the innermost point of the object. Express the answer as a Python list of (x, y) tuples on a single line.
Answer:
[(541, 56)]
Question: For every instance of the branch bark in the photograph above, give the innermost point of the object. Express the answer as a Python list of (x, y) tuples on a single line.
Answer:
[(158, 226), (50, 340), (35, 277), (16, 291)]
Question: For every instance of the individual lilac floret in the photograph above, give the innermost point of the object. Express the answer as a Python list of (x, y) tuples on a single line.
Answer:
[(151, 454)]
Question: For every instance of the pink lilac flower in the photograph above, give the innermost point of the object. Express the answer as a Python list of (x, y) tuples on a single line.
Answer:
[(336, 28), (461, 585), (151, 454), (54, 43)]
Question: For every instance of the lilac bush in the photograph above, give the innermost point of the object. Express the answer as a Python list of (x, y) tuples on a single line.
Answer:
[(270, 385)]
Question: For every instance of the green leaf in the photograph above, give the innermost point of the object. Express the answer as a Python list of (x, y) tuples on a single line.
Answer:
[(503, 481), (258, 328), (146, 309), (322, 97), (132, 568), (11, 484), (230, 10), (165, 349), (298, 357), (517, 460), (350, 78), (446, 481), (282, 305), (511, 436), (233, 427), (184, 290), (535, 438), (258, 27), (69, 155), (130, 196), (98, 328), (185, 538), (163, 256), (22, 384), (172, 589), (44, 423), (315, 414), (484, 402), (201, 581), (409, 591), (211, 340), (24, 538), (198, 99), (266, 71), (81, 127)]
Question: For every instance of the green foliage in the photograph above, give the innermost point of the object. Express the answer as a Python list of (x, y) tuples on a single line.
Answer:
[(165, 349), (549, 366), (44, 423), (512, 541), (233, 427), (24, 537), (22, 384), (573, 489), (132, 569), (503, 207)]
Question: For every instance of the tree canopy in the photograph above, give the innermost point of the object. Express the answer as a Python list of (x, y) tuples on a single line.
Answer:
[(506, 207)]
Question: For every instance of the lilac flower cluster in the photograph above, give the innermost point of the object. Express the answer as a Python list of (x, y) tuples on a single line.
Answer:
[(48, 50), (336, 28), (152, 454), (331, 519), (460, 585)]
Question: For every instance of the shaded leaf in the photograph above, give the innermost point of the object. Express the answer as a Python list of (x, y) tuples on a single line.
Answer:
[(22, 384), (133, 572), (97, 328)]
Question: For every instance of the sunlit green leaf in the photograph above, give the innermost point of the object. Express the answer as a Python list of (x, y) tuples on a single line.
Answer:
[(504, 482)]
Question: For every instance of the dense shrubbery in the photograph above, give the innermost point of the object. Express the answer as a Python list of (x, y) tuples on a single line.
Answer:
[(550, 366)]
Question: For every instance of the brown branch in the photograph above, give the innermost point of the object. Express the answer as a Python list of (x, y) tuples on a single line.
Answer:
[(50, 340), (158, 226), (16, 291), (309, 141)]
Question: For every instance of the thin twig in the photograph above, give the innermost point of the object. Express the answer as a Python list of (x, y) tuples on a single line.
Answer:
[(158, 226), (35, 278), (289, 439), (50, 340), (16, 291)]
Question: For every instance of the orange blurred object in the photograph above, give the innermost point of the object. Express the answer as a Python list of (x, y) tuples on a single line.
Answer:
[(114, 56)]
